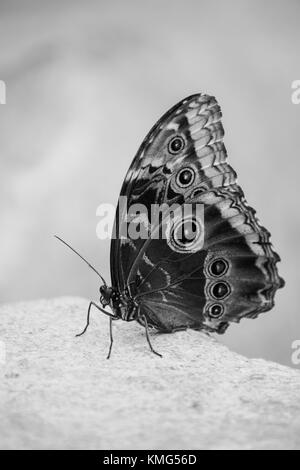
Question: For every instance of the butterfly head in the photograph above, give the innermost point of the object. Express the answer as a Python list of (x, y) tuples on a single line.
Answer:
[(122, 304), (106, 294)]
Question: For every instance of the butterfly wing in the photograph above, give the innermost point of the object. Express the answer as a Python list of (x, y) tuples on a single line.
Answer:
[(233, 275), (196, 119), (232, 272)]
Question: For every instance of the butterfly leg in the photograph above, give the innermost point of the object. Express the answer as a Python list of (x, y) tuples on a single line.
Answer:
[(148, 337), (92, 304), (111, 337)]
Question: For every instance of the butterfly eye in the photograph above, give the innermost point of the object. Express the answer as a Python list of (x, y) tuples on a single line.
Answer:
[(215, 311), (186, 232), (176, 145), (220, 290), (218, 267), (185, 177), (186, 235)]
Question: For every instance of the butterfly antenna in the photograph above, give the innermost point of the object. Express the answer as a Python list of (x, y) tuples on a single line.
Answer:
[(83, 259)]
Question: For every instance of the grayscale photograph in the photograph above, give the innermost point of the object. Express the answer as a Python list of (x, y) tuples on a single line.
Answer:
[(149, 228)]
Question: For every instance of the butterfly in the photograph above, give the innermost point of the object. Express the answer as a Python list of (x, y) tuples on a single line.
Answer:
[(177, 282)]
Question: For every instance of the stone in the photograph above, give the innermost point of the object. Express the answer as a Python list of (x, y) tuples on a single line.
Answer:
[(60, 392)]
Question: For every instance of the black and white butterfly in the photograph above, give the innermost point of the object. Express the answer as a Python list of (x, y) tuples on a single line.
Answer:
[(163, 283)]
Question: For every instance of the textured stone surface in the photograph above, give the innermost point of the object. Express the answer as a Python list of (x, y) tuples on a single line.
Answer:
[(58, 391)]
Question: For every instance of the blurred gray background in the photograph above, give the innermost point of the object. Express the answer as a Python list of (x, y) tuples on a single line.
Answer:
[(85, 82)]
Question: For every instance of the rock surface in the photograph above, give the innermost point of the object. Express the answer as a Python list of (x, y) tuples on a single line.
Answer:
[(58, 391)]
